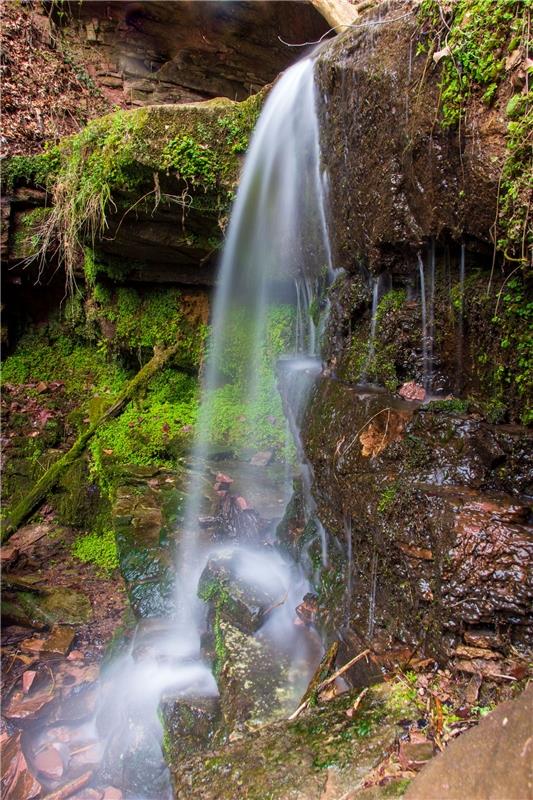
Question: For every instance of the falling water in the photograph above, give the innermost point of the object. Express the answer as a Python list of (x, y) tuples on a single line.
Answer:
[(373, 590), (277, 233), (348, 535), (425, 358), (431, 315), (461, 317), (373, 326)]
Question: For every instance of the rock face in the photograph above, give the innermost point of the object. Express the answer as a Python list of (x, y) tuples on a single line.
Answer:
[(440, 543), (487, 763), (140, 53), (405, 179), (143, 516), (421, 470)]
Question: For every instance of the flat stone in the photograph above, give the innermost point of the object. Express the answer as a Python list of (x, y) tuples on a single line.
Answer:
[(22, 708), (56, 605), (112, 793), (17, 781), (483, 638), (88, 794), (413, 755), (492, 761), (412, 391), (475, 652), (261, 459), (237, 601), (26, 536), (59, 641), (27, 680), (49, 763)]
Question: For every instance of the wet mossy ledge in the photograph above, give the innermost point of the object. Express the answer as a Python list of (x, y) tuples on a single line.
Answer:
[(127, 178)]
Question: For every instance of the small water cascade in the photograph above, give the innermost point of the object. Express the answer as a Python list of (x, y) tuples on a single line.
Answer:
[(460, 333), (423, 305), (373, 326)]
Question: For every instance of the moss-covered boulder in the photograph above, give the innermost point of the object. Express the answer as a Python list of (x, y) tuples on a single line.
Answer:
[(230, 596), (325, 746), (151, 186)]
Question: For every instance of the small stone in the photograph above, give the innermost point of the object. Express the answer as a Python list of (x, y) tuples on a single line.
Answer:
[(412, 391), (308, 609), (8, 554), (27, 680), (223, 479), (483, 638), (413, 755), (112, 793), (475, 652), (17, 780), (261, 459), (75, 655), (49, 764), (472, 690), (59, 641), (88, 794)]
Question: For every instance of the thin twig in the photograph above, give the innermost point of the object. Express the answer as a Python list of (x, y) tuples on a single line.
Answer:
[(345, 28)]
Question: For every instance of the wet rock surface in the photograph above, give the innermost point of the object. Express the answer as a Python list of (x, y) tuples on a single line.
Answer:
[(396, 178), (442, 545), (235, 599), (145, 502)]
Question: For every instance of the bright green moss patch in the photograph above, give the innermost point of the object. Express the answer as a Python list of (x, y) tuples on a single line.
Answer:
[(100, 550), (233, 418), (154, 430), (480, 41), (147, 319), (115, 162), (47, 354)]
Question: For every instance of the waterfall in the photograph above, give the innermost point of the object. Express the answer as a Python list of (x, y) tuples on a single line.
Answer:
[(277, 234), (461, 318)]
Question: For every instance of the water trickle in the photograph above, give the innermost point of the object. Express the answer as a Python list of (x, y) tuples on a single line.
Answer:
[(373, 326), (431, 315), (372, 596), (461, 317), (348, 535), (425, 356)]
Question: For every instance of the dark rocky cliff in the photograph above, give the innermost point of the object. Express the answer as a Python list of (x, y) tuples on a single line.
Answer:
[(430, 499)]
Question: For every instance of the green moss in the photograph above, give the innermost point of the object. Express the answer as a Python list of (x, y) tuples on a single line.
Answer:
[(452, 406), (47, 354), (28, 239), (111, 163), (100, 550), (231, 419), (480, 35), (154, 430), (153, 317), (38, 170), (387, 498)]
